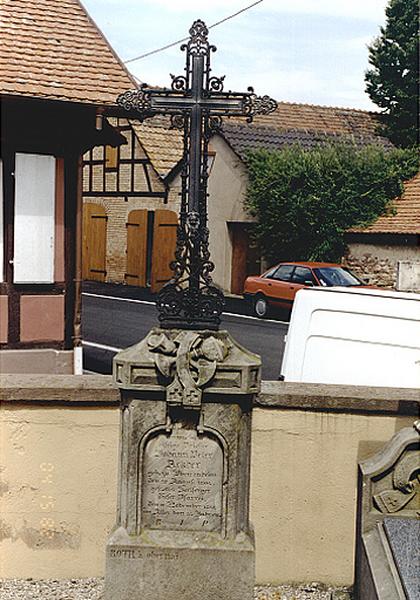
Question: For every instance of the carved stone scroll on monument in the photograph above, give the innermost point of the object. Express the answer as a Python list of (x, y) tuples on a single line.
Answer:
[(388, 548)]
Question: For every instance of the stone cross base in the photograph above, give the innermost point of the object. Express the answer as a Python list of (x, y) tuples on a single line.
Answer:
[(183, 530), (172, 566)]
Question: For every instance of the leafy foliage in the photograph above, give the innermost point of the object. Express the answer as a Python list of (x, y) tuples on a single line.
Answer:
[(393, 82), (305, 200)]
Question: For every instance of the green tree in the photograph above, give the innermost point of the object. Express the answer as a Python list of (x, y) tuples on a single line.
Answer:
[(305, 200), (393, 81)]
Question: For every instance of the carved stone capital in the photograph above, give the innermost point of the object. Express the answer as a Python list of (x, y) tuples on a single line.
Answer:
[(185, 363)]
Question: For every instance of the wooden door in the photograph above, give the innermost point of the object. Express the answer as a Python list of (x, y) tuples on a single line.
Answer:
[(136, 248), (94, 242), (240, 243), (246, 256), (163, 251)]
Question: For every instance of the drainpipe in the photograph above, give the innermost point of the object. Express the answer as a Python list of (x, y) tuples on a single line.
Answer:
[(77, 323)]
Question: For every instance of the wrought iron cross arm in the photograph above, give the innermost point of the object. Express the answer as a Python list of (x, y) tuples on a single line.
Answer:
[(147, 102), (138, 101)]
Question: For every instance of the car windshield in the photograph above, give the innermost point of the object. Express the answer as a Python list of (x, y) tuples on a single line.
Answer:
[(330, 276)]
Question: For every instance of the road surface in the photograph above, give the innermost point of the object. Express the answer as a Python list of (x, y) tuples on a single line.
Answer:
[(111, 322)]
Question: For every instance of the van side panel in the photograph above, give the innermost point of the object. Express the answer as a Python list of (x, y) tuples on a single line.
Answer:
[(354, 338)]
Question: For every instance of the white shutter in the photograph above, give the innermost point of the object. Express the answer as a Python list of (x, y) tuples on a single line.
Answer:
[(1, 222), (34, 219)]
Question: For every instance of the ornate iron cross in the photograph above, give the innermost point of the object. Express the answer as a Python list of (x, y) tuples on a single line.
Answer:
[(196, 103)]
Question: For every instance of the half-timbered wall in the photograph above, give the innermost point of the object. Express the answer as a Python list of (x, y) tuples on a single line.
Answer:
[(131, 185), (39, 177), (124, 171)]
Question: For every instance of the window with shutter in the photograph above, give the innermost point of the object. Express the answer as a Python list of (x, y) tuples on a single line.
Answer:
[(34, 218), (111, 158)]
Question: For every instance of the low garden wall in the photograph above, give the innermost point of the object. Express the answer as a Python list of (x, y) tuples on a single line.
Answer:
[(58, 472)]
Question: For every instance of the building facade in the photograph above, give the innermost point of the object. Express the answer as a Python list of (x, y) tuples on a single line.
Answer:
[(381, 252), (58, 80)]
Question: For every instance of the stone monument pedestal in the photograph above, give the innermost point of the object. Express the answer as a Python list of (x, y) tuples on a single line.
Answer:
[(183, 528), (169, 566)]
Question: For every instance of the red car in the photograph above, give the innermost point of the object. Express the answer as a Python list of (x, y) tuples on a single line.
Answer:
[(277, 286)]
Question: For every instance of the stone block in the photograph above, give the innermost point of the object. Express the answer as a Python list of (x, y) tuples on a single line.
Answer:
[(408, 276), (170, 565), (403, 536)]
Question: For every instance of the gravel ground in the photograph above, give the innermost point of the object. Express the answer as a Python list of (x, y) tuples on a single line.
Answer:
[(92, 589)]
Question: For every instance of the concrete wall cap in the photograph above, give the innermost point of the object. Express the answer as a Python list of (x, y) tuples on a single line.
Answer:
[(99, 389)]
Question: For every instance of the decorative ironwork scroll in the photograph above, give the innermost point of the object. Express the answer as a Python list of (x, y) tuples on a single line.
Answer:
[(196, 103)]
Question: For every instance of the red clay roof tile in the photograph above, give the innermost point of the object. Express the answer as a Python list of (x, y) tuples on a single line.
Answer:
[(407, 213), (52, 49)]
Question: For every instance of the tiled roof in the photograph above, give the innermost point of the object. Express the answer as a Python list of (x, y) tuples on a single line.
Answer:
[(326, 119), (52, 49), (242, 137), (302, 123), (162, 144), (407, 213)]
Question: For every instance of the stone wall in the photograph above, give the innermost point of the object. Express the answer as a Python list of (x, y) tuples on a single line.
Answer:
[(408, 276), (377, 264), (59, 448)]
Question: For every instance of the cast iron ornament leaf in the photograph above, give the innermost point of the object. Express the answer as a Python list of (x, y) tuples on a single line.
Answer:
[(136, 100), (257, 105)]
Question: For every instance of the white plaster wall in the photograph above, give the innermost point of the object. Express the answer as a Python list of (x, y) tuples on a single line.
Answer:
[(226, 187), (304, 489), (58, 473), (58, 482)]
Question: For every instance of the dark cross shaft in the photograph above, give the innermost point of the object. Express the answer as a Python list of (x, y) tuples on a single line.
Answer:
[(196, 104)]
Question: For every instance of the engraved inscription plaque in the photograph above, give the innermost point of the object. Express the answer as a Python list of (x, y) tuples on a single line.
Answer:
[(182, 483)]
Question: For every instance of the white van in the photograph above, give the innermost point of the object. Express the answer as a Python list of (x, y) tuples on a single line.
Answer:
[(354, 336)]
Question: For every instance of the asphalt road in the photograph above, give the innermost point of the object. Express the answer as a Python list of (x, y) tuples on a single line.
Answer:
[(112, 320)]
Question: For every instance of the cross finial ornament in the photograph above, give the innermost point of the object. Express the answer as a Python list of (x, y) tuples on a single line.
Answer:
[(196, 103)]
